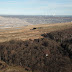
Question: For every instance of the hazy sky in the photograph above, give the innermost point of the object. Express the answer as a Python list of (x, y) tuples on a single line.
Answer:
[(36, 7)]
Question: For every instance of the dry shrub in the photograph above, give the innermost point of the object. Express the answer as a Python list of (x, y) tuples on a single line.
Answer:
[(52, 53)]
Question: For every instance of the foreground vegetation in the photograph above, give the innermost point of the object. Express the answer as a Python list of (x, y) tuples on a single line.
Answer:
[(53, 53)]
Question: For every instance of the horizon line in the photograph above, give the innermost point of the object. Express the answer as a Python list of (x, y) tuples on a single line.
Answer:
[(36, 15)]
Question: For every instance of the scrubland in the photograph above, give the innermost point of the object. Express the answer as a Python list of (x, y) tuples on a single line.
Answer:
[(37, 48)]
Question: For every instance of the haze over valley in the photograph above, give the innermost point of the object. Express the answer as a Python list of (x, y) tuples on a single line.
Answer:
[(12, 21)]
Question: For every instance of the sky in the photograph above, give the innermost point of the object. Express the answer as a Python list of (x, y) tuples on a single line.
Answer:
[(35, 7)]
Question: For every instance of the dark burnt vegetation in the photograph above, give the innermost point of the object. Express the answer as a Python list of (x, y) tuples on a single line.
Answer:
[(53, 53)]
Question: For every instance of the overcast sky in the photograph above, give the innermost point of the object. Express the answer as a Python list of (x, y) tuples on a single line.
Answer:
[(36, 7)]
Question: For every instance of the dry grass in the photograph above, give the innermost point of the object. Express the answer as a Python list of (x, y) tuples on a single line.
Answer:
[(25, 33), (6, 68), (13, 69)]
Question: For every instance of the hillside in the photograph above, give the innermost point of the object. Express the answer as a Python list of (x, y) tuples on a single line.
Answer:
[(12, 22), (52, 52)]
